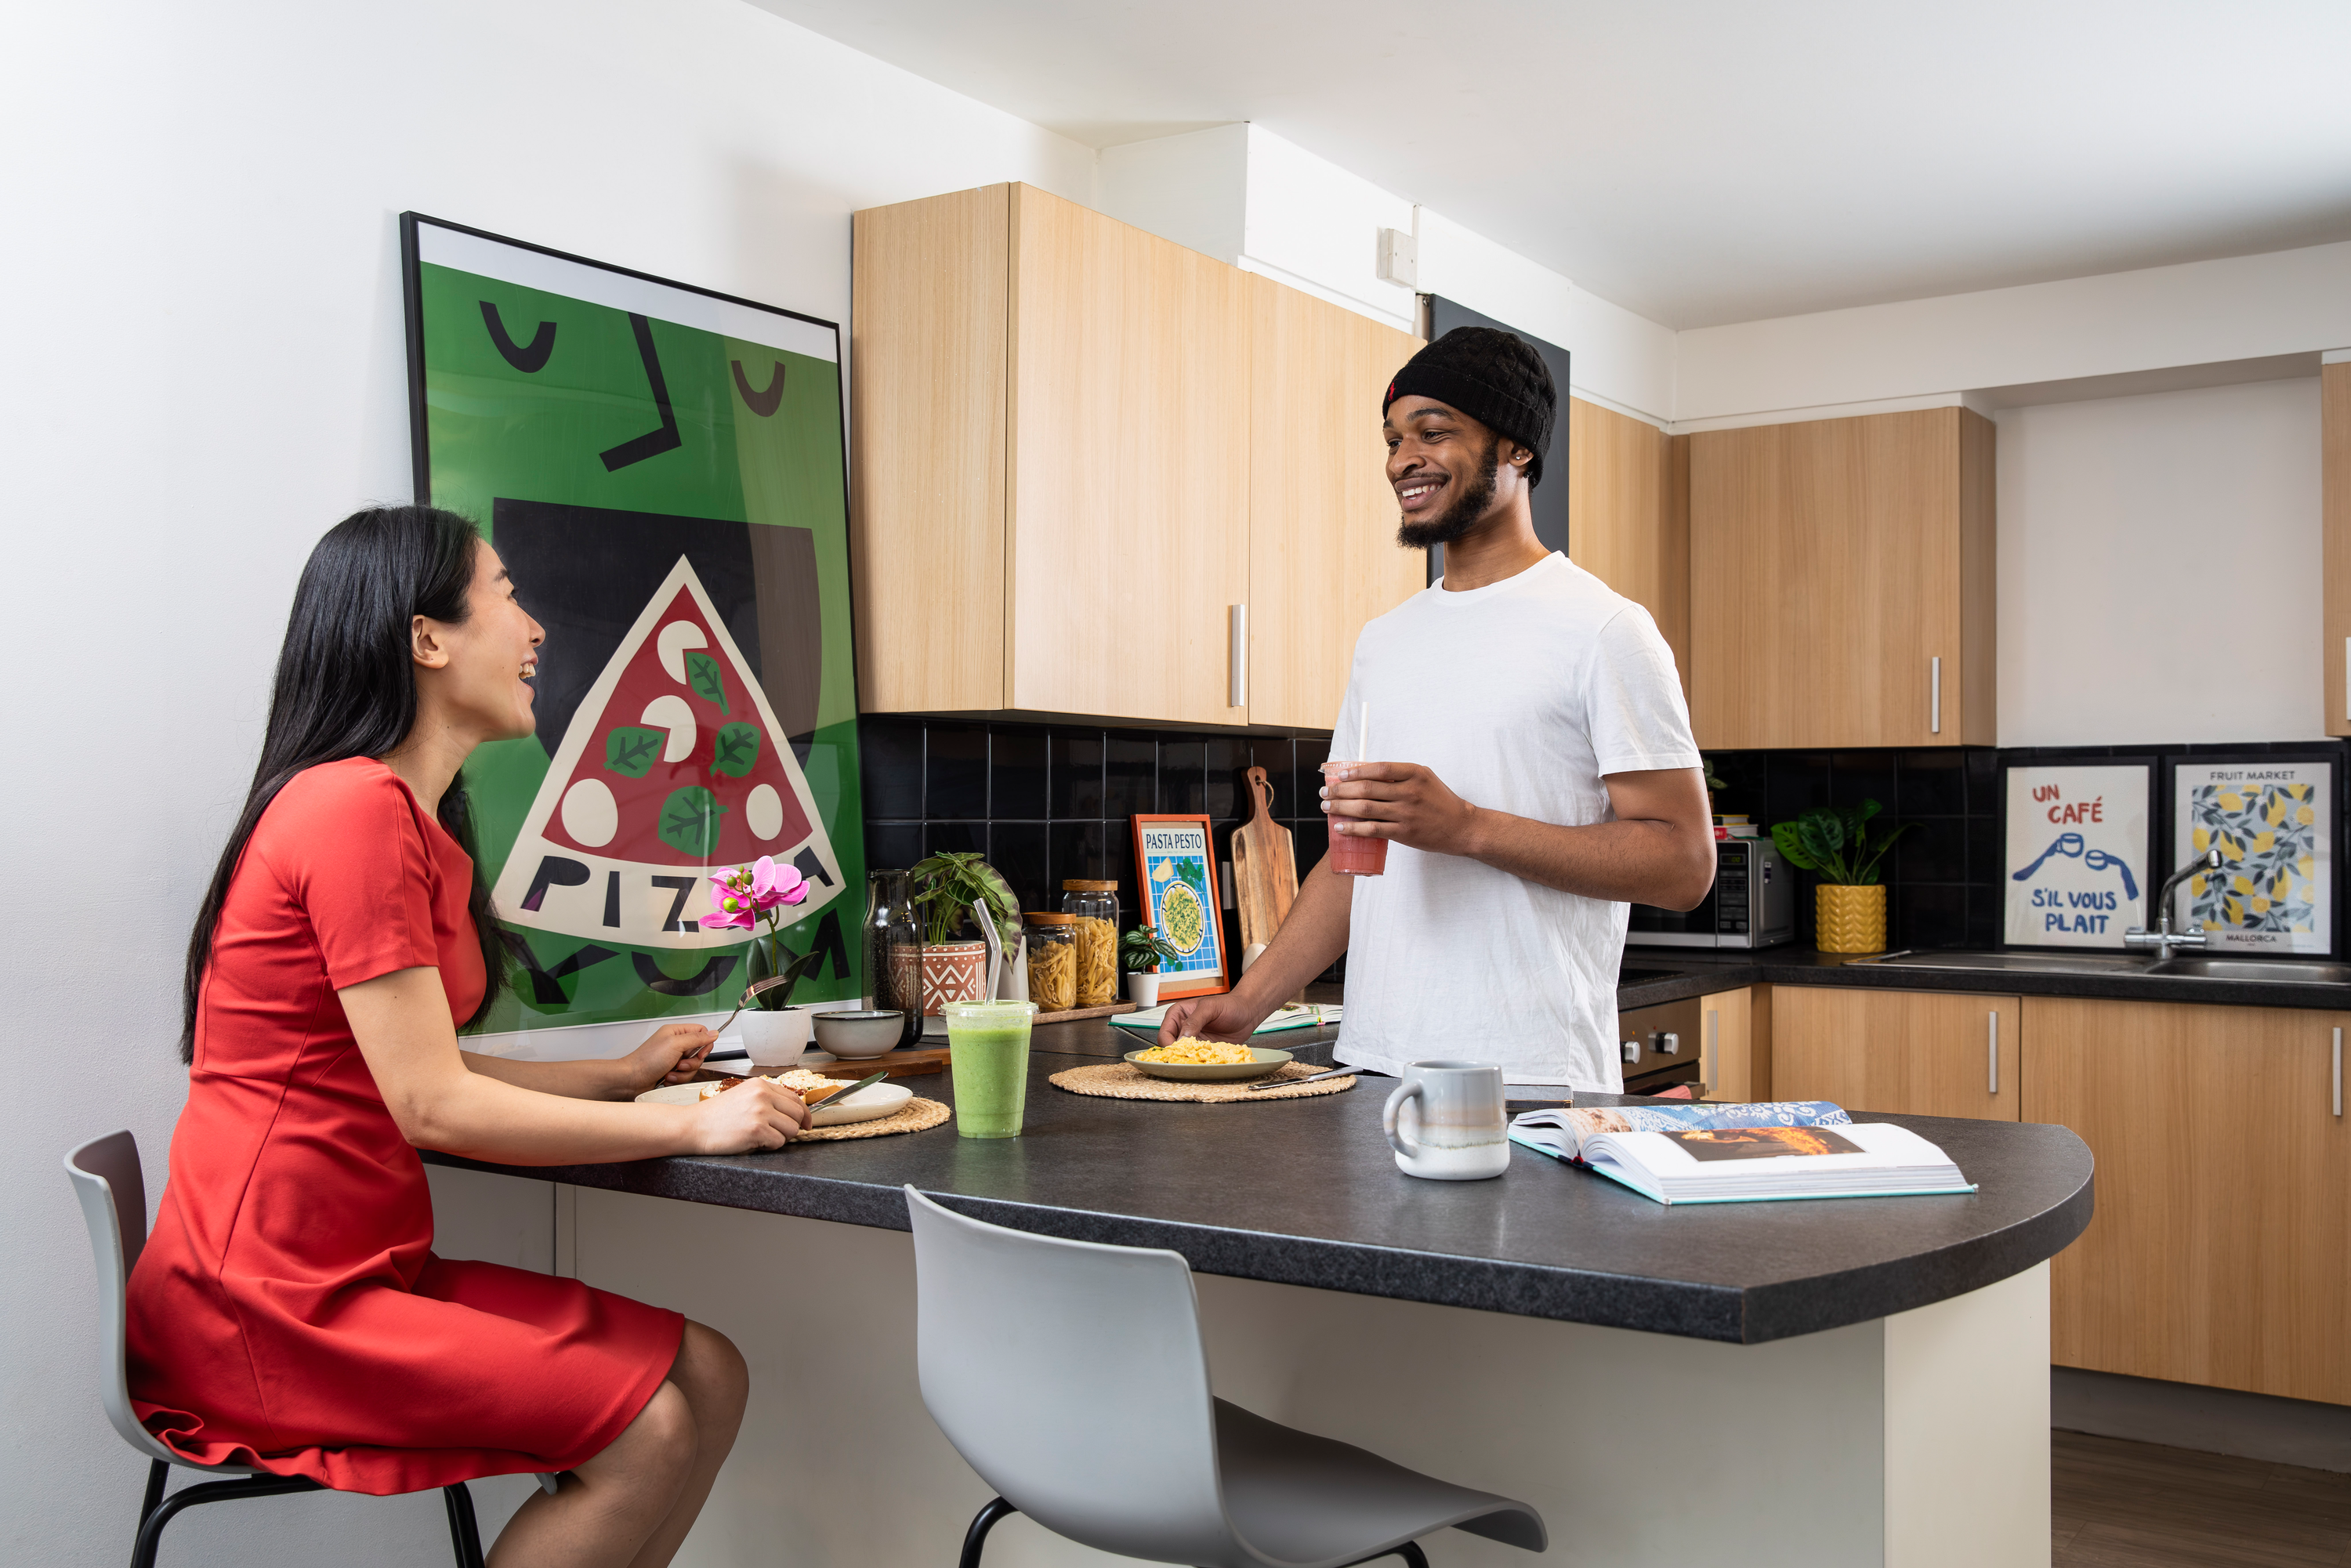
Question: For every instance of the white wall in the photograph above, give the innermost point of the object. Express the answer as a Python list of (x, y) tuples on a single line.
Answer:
[(205, 372), (2158, 567)]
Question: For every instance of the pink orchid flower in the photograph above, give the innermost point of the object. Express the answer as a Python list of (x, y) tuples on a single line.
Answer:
[(772, 884), (730, 905)]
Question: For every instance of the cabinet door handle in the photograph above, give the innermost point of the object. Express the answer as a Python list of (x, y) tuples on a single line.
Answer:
[(1710, 1052), (1992, 1052), (2338, 1071), (2346, 680), (1236, 655), (1935, 695)]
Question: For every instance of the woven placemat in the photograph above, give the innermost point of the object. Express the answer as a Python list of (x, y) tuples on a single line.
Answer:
[(916, 1115), (1122, 1080)]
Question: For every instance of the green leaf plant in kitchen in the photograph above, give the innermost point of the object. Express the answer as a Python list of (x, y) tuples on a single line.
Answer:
[(1836, 841), (1144, 950), (948, 883)]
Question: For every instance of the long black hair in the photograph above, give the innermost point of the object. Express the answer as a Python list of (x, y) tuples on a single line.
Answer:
[(346, 687)]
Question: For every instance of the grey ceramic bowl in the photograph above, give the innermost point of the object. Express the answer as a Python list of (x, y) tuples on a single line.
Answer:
[(852, 1035)]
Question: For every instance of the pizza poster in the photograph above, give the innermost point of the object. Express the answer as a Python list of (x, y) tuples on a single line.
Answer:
[(1177, 874), (2275, 892), (662, 470), (2078, 855)]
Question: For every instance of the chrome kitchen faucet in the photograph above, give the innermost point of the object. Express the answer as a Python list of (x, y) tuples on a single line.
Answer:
[(2163, 938)]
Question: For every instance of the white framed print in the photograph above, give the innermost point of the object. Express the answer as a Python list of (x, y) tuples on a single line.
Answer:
[(2077, 843), (2272, 821)]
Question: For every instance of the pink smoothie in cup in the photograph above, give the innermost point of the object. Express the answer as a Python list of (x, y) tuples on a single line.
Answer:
[(1351, 856)]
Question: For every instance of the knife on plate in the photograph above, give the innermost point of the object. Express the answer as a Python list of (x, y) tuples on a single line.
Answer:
[(866, 1082)]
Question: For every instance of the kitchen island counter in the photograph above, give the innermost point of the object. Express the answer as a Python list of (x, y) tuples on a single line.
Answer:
[(1305, 1192)]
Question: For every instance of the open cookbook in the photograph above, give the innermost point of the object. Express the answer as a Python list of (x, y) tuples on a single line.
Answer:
[(1741, 1153)]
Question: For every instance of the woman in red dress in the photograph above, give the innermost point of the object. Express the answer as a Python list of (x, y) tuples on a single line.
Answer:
[(287, 1312)]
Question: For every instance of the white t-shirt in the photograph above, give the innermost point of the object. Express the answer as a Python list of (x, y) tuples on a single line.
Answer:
[(1520, 695)]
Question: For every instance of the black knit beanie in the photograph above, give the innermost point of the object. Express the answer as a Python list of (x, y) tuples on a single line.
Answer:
[(1494, 377)]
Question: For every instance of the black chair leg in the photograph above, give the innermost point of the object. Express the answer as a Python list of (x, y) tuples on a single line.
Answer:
[(985, 1520), (1410, 1551), (157, 1473), (465, 1532), (150, 1529)]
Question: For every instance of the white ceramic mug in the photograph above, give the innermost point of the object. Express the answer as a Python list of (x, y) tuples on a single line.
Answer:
[(1446, 1122)]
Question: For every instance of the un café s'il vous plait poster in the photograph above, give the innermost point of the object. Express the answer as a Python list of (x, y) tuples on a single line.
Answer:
[(662, 469), (2078, 855)]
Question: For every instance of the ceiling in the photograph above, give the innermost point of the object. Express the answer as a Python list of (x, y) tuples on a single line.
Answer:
[(1710, 161)]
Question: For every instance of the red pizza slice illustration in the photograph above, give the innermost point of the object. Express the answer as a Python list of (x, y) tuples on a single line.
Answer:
[(673, 766)]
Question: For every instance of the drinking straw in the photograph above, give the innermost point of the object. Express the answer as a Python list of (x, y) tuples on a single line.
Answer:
[(995, 946)]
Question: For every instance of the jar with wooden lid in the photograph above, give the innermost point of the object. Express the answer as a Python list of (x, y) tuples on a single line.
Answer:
[(1053, 961), (1094, 905)]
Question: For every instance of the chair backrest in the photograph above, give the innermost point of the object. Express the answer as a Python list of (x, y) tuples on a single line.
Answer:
[(113, 1193), (1071, 1375)]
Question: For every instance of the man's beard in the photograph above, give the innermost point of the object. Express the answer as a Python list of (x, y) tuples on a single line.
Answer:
[(1468, 509)]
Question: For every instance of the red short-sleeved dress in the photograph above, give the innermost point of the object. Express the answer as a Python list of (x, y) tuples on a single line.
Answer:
[(289, 1313)]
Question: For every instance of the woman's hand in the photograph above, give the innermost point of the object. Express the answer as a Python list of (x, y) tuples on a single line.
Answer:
[(753, 1114), (671, 1055)]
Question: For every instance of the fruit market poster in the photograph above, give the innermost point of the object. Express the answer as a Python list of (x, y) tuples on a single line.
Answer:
[(2275, 892), (662, 469), (1179, 878)]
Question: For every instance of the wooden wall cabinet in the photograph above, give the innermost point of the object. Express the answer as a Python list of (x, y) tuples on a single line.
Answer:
[(1322, 556), (1842, 583), (2220, 1251), (1919, 1053), (1629, 515), (1070, 464), (2334, 418)]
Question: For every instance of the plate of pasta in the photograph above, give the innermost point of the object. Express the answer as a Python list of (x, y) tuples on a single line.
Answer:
[(832, 1108), (1206, 1060)]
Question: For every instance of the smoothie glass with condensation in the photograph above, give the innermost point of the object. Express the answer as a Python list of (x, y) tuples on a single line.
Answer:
[(987, 1045), (1351, 856)]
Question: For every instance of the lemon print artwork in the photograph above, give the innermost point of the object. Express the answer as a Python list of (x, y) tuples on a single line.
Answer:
[(1182, 920), (2273, 892)]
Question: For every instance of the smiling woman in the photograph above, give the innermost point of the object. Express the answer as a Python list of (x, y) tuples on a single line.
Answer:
[(288, 1314)]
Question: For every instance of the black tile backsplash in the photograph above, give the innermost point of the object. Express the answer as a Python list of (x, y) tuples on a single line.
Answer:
[(1049, 803), (1945, 878)]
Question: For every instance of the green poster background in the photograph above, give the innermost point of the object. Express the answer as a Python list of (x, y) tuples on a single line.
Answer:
[(493, 431)]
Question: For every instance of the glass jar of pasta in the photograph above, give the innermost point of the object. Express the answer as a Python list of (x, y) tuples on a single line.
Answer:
[(1053, 961), (1094, 905)]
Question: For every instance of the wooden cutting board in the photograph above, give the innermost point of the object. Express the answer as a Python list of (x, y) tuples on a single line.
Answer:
[(1265, 867)]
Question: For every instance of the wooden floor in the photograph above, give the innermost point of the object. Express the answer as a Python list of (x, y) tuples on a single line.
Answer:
[(2117, 1504)]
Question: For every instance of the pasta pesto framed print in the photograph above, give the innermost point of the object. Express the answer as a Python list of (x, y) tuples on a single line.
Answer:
[(662, 469), (1176, 871)]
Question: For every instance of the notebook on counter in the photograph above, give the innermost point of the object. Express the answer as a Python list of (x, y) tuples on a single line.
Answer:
[(1741, 1153)]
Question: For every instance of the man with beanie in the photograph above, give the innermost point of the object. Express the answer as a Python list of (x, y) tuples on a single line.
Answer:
[(1535, 771)]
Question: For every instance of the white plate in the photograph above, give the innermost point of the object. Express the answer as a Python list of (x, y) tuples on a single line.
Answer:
[(865, 1106)]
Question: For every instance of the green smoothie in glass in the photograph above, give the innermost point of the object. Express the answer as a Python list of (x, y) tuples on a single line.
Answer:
[(988, 1045)]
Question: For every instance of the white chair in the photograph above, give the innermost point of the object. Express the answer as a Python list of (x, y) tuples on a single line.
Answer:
[(1071, 1376), (113, 1193)]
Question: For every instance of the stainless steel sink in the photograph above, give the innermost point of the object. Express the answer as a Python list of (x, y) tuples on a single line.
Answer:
[(2276, 971), (2181, 966), (2030, 963)]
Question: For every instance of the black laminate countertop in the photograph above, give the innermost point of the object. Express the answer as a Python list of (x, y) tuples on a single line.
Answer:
[(1305, 1192), (1697, 971)]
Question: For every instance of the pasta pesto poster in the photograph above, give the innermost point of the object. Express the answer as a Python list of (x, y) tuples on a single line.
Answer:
[(662, 470)]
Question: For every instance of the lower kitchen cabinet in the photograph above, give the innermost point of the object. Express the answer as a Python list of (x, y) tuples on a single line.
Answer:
[(2220, 1251), (1919, 1053), (1734, 1044)]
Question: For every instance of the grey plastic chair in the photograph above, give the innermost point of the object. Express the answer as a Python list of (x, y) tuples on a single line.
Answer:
[(113, 1193), (1129, 1451)]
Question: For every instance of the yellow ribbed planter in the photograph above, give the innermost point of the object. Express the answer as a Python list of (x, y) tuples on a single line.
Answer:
[(1850, 919)]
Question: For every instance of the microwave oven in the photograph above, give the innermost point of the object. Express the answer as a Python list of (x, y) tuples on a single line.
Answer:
[(1752, 904)]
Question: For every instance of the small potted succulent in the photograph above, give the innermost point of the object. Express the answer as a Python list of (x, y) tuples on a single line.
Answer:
[(1144, 950), (944, 887), (1849, 905)]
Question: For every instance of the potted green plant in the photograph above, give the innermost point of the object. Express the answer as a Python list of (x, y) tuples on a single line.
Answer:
[(944, 887), (1144, 950), (1836, 842)]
